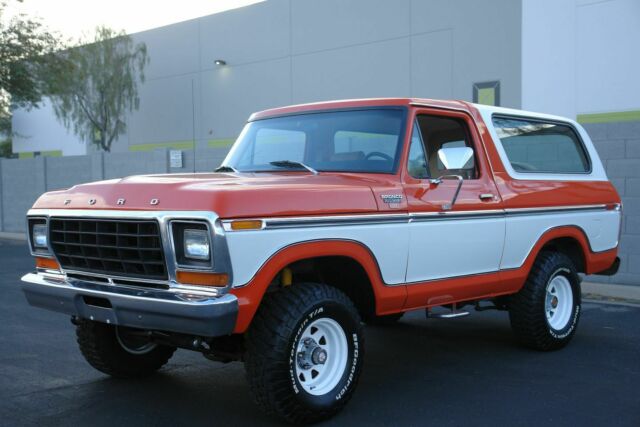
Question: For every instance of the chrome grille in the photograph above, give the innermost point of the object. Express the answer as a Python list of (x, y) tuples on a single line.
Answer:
[(126, 248)]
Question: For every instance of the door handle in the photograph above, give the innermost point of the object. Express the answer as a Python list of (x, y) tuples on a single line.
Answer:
[(486, 196)]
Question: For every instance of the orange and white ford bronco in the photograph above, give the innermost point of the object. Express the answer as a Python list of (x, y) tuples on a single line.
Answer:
[(322, 217)]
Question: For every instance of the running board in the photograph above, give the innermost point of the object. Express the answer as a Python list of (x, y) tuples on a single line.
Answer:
[(453, 314)]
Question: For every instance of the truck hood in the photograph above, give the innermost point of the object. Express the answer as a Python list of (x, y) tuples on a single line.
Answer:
[(229, 195)]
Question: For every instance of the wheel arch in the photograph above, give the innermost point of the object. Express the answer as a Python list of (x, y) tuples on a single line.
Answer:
[(573, 242), (375, 295)]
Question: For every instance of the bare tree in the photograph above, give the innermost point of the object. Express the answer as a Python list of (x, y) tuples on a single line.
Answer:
[(25, 45), (96, 84)]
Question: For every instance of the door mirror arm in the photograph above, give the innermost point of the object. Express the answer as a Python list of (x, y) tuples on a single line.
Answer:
[(438, 181)]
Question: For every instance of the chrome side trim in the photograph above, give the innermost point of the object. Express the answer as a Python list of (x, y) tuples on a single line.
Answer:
[(319, 221), (365, 219), (220, 249), (451, 215), (554, 209)]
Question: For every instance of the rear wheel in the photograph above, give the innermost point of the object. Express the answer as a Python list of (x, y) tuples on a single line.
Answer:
[(544, 314), (119, 351), (304, 352)]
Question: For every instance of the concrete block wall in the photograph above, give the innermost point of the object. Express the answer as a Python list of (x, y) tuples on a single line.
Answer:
[(22, 181), (65, 172), (618, 144)]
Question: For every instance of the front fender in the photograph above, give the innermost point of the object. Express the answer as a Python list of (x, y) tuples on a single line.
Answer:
[(249, 296)]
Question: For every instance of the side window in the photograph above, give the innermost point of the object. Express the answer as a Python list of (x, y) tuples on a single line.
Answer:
[(541, 147), (278, 144), (440, 132), (417, 164)]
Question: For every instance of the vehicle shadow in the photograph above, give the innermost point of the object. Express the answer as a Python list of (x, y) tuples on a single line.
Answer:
[(415, 368)]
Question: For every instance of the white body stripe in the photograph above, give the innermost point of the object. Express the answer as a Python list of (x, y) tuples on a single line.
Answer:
[(388, 242), (421, 249), (524, 231), (441, 249)]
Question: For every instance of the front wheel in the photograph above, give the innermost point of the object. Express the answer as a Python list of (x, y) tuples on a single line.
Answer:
[(544, 314), (120, 351), (304, 352)]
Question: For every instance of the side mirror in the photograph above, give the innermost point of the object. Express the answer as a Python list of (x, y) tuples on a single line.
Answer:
[(456, 157)]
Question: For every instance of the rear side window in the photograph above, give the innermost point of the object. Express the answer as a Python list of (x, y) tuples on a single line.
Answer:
[(534, 146)]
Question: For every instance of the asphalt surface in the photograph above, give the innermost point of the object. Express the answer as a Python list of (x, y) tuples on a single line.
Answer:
[(465, 371)]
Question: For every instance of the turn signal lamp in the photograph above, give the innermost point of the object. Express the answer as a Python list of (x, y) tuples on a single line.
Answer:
[(202, 279), (47, 263), (247, 225)]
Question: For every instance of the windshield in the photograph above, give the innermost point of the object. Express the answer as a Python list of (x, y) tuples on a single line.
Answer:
[(338, 141)]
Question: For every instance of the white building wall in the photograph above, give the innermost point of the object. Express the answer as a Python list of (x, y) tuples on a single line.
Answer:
[(580, 56), (39, 130), (548, 57), (607, 56), (280, 52)]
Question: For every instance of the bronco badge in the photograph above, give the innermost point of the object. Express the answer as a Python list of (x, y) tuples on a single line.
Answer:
[(392, 198)]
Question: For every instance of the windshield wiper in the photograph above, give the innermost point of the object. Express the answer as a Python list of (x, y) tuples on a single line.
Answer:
[(225, 168), (289, 164)]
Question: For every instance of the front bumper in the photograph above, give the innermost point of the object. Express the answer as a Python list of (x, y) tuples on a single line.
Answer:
[(137, 308)]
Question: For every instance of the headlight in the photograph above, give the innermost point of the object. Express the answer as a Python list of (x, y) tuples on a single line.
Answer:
[(40, 236), (196, 244), (192, 242)]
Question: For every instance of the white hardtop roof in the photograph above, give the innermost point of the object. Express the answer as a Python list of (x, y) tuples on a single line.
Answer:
[(490, 109)]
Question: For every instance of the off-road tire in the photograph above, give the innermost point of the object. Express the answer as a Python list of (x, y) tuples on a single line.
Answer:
[(527, 307), (271, 345), (100, 347)]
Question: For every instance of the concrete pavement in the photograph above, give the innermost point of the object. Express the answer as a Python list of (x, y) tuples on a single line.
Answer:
[(468, 371)]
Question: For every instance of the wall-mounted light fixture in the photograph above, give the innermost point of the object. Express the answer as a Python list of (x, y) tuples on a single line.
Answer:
[(220, 62)]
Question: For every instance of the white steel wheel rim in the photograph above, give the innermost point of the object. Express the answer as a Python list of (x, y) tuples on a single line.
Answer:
[(321, 356), (558, 302)]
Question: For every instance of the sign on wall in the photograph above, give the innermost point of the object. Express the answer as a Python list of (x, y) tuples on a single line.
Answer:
[(487, 93), (175, 158)]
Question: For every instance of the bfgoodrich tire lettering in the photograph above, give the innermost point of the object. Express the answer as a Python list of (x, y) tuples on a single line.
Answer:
[(552, 289), (274, 343)]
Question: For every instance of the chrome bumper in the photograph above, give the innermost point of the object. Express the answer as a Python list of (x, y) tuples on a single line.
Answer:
[(137, 308)]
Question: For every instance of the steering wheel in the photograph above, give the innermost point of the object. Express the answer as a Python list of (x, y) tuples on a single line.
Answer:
[(378, 154)]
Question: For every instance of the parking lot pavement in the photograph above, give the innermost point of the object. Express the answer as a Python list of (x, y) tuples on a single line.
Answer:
[(418, 372)]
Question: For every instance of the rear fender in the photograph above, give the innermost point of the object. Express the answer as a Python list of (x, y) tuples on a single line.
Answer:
[(593, 261)]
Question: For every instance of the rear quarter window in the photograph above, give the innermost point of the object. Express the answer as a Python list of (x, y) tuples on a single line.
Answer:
[(534, 146)]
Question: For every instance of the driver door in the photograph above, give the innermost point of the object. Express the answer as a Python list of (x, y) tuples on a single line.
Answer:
[(468, 238)]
